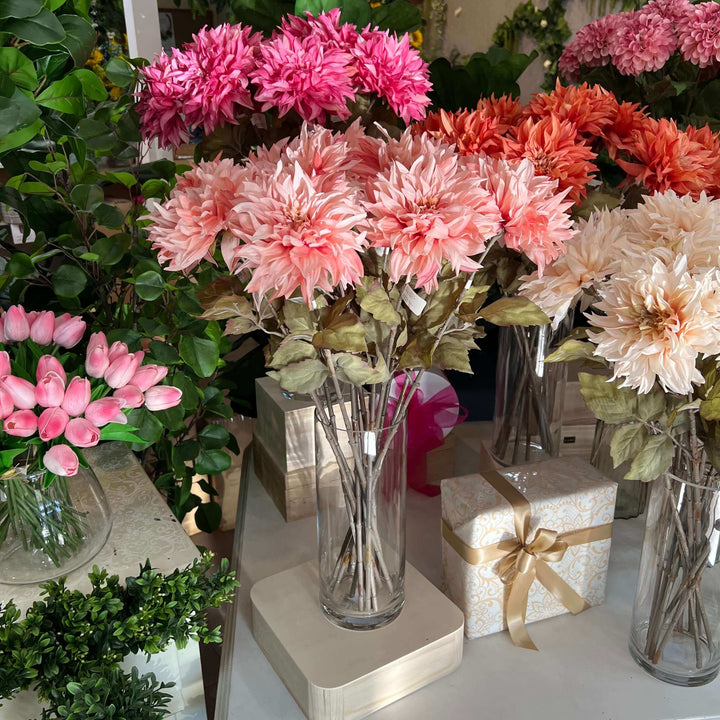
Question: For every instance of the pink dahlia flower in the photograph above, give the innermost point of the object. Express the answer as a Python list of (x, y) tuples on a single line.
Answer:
[(430, 211), (676, 11), (296, 237), (218, 63), (642, 43), (185, 228), (388, 67), (325, 26), (569, 62), (535, 216), (699, 34), (592, 42), (305, 75)]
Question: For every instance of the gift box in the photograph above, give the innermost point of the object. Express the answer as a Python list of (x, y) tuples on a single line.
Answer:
[(526, 543)]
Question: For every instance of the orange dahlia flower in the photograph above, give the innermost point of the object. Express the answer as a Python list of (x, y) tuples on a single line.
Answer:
[(506, 109), (472, 132)]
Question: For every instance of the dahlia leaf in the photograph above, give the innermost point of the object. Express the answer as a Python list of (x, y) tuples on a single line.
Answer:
[(653, 460), (302, 377), (627, 442), (515, 310)]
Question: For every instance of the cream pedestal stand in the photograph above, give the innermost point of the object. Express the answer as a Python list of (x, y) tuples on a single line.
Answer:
[(143, 527)]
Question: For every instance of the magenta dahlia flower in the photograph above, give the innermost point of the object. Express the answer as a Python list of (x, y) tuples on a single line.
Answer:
[(390, 68), (592, 42), (304, 75), (642, 43), (569, 63), (325, 26), (699, 34)]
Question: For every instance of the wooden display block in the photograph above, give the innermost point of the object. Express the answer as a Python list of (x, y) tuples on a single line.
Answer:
[(338, 674)]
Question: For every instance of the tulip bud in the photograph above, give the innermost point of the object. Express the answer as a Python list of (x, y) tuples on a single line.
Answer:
[(117, 349), (48, 363), (120, 371), (96, 340), (52, 423), (70, 332), (77, 396), (130, 395), (140, 355), (17, 326), (21, 423), (50, 390), (96, 360), (6, 403), (120, 418), (82, 433), (21, 391), (4, 363), (61, 460), (147, 376), (162, 397), (42, 327), (101, 412)]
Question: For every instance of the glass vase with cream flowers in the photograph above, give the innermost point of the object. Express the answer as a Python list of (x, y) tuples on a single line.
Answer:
[(654, 321), (364, 258)]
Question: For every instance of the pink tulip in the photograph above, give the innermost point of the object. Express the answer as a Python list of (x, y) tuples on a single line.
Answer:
[(117, 349), (77, 396), (69, 333), (21, 391), (2, 327), (4, 363), (47, 364), (17, 326), (97, 340), (52, 423), (50, 390), (131, 395), (120, 371), (101, 412), (21, 423), (162, 397), (120, 419), (61, 460), (42, 327), (6, 403), (148, 375), (82, 433)]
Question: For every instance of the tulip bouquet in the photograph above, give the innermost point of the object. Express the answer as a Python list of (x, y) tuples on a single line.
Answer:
[(54, 402)]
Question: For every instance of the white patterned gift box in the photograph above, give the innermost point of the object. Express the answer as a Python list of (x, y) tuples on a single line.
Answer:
[(565, 495)]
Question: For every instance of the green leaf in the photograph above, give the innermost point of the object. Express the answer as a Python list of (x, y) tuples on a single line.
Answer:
[(187, 450), (229, 306), (399, 16), (651, 406), (377, 302), (608, 402), (155, 188), (453, 353), (514, 310), (80, 38), (18, 138), (149, 428), (208, 516), (19, 68), (298, 317), (120, 72), (117, 431), (19, 8), (54, 66), (21, 265), (87, 197), (346, 334), (149, 285), (213, 437), (291, 351), (572, 350), (353, 11), (69, 281), (653, 460), (109, 216), (164, 353), (17, 112), (301, 377), (111, 250), (43, 28), (627, 441), (200, 354), (64, 95), (7, 456), (92, 85), (355, 370), (212, 462)]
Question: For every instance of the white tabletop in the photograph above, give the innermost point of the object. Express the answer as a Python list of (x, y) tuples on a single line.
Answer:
[(582, 672)]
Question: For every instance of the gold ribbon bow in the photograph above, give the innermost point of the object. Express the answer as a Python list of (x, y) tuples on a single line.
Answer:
[(522, 561)]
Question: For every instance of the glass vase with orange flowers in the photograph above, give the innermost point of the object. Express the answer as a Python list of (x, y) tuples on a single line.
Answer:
[(365, 263)]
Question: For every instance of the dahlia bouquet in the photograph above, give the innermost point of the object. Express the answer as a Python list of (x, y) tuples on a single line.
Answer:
[(54, 402), (364, 258), (664, 56), (253, 89)]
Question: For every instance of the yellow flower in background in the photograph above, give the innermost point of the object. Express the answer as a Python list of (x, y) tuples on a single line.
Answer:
[(374, 5), (96, 57), (115, 92), (416, 39)]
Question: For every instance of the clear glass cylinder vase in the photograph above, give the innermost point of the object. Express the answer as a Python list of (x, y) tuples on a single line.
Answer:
[(675, 634), (46, 532), (361, 487), (529, 394)]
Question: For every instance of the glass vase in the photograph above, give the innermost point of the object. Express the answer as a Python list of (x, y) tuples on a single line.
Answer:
[(675, 634), (46, 532), (529, 394), (631, 494), (361, 485)]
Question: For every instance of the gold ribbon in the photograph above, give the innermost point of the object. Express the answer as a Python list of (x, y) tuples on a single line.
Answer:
[(523, 560)]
